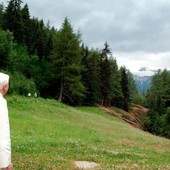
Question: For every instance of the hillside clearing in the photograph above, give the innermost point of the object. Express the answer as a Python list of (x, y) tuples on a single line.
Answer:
[(49, 135)]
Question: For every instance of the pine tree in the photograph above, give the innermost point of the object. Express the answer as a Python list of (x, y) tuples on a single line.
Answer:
[(40, 41), (159, 92), (13, 20), (132, 85), (31, 44), (116, 91), (26, 23), (125, 88), (66, 58), (91, 75), (6, 46), (105, 75), (1, 15), (158, 100)]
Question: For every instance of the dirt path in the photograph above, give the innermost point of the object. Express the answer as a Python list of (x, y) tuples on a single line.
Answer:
[(133, 117)]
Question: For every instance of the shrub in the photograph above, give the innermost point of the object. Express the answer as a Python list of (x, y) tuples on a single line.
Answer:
[(139, 99), (19, 84)]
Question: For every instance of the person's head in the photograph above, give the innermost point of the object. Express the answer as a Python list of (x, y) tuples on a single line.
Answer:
[(4, 83)]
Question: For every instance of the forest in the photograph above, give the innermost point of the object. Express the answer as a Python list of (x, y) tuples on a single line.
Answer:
[(55, 63)]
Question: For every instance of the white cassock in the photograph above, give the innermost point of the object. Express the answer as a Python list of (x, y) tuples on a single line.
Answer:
[(5, 141)]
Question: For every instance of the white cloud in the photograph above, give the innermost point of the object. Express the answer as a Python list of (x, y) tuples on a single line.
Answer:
[(135, 60)]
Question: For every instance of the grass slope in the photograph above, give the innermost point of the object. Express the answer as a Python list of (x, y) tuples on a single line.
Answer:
[(48, 135)]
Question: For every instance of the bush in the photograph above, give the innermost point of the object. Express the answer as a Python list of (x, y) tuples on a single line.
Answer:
[(19, 84), (152, 122), (167, 123), (158, 124), (139, 99)]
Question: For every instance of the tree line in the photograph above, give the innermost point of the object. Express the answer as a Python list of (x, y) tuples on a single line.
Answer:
[(55, 63), (158, 102)]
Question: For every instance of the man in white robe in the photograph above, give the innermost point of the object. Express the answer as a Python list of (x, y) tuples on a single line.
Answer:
[(5, 141)]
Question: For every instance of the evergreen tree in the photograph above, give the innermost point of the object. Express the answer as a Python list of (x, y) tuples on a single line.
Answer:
[(158, 100), (125, 88), (116, 91), (159, 93), (40, 41), (31, 44), (6, 46), (13, 20), (48, 44), (105, 75), (42, 74), (91, 75), (66, 58), (132, 86), (26, 24), (1, 16)]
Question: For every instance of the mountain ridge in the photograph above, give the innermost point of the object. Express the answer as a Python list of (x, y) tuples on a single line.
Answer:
[(145, 71), (143, 79)]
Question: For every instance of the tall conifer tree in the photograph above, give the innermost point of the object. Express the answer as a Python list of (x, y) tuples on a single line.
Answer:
[(13, 20), (66, 58), (1, 15), (26, 23), (125, 88), (91, 75), (105, 74)]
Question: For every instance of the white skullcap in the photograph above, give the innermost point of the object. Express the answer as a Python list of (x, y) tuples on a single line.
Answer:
[(4, 78)]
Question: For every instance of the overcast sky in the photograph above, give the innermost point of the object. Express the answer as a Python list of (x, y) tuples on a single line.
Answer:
[(138, 31)]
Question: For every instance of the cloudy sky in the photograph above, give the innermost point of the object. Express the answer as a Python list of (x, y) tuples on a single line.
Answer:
[(137, 31)]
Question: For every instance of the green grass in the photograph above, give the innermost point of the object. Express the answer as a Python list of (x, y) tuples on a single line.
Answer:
[(48, 135)]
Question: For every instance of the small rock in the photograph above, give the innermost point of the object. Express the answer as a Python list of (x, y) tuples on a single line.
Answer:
[(85, 165)]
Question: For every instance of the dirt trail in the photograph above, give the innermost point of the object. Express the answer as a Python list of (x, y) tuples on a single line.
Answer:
[(133, 117)]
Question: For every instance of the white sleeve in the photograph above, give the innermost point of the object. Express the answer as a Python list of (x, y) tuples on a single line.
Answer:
[(5, 142)]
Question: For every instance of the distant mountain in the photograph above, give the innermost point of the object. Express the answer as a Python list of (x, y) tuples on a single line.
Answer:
[(144, 71), (143, 79)]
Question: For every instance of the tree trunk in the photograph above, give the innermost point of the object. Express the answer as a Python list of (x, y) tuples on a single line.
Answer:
[(61, 91)]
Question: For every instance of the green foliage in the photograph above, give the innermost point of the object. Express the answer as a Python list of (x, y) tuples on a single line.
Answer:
[(159, 93), (91, 76), (6, 46), (13, 20), (105, 75), (132, 86), (166, 123), (116, 97), (19, 60), (1, 15), (138, 98), (19, 84), (158, 99), (41, 74), (124, 82), (152, 124), (26, 25), (54, 62), (66, 58)]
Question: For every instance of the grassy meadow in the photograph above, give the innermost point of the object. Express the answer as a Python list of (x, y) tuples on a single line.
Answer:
[(48, 135)]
